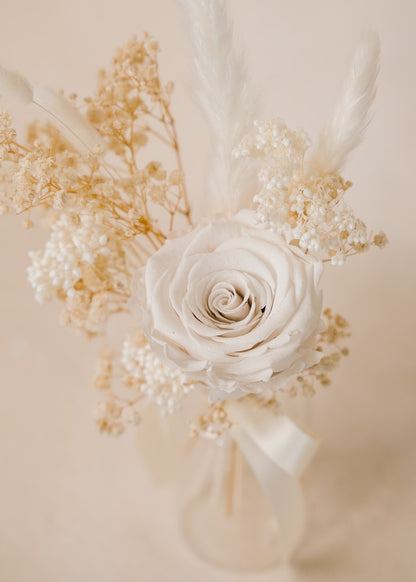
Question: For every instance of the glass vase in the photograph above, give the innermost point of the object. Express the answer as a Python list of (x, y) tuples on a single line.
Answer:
[(226, 517)]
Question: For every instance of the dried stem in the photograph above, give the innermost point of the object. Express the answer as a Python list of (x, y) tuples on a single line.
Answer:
[(231, 480)]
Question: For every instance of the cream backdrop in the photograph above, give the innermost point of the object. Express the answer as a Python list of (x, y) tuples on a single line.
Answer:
[(76, 505)]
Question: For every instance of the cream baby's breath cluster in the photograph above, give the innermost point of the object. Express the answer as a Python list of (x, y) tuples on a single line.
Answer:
[(309, 207), (146, 373), (132, 379)]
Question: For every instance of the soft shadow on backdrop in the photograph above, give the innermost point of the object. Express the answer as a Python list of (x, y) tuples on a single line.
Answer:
[(76, 505)]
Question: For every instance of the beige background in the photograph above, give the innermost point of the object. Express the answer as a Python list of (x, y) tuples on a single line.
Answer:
[(76, 505)]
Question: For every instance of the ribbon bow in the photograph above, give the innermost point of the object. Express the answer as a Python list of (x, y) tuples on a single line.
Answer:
[(278, 451)]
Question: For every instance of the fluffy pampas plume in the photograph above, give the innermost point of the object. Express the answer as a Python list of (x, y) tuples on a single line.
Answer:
[(78, 130), (224, 96), (346, 128)]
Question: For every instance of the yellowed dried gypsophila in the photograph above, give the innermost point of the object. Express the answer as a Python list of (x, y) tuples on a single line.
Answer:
[(131, 105), (113, 413), (331, 342), (102, 207)]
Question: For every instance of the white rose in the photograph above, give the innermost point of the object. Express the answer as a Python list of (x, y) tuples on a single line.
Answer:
[(232, 305)]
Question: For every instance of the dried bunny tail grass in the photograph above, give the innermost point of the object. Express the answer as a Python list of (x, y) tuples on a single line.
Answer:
[(15, 87), (76, 128), (346, 128), (224, 96)]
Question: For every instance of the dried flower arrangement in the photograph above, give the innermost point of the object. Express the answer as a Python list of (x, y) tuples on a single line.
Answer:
[(230, 305), (107, 213)]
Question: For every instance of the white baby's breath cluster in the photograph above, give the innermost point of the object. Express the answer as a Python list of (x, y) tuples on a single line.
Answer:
[(325, 224), (310, 208), (83, 265), (281, 149), (165, 386), (75, 241), (131, 379)]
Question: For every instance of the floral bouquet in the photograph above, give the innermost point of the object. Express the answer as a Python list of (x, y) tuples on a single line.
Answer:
[(221, 290)]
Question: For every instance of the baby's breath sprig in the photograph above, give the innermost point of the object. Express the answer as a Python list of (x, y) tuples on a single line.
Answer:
[(144, 372), (212, 423), (331, 344), (136, 369), (130, 106), (310, 208)]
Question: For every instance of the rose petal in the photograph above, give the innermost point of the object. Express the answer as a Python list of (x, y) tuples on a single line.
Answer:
[(233, 305)]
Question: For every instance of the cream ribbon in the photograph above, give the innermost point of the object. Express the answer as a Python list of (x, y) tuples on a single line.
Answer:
[(278, 451)]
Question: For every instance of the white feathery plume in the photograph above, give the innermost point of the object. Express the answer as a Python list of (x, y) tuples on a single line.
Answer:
[(224, 97), (346, 128), (76, 128)]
